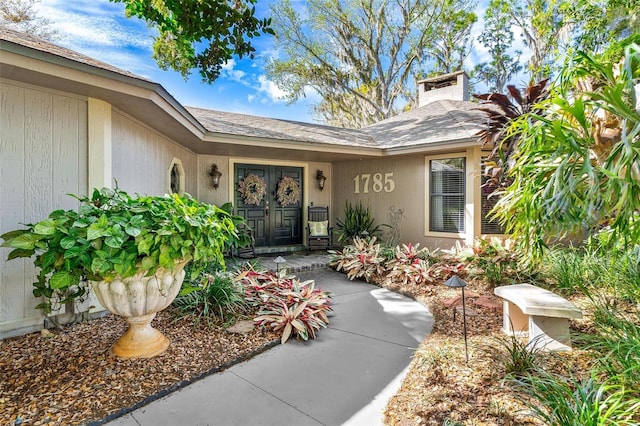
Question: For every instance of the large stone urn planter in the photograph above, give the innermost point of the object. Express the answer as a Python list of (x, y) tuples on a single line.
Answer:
[(137, 299)]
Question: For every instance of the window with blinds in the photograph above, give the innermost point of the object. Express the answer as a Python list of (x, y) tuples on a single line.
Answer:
[(446, 195), (489, 200)]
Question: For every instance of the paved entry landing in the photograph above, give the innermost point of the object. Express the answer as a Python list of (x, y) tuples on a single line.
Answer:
[(346, 376)]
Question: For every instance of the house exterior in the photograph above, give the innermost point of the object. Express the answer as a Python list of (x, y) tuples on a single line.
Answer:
[(69, 123)]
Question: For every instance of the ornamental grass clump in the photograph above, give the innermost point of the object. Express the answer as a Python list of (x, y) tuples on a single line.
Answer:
[(616, 343), (113, 234), (212, 296), (515, 355), (557, 400), (287, 305)]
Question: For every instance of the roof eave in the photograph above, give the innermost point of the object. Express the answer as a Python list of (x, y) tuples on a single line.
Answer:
[(430, 147), (165, 100)]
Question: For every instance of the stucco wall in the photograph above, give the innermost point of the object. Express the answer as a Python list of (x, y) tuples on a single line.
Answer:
[(142, 158), (43, 150), (398, 197), (395, 193), (319, 197)]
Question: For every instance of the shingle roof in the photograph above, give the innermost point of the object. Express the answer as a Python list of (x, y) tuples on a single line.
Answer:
[(437, 122), (24, 39), (271, 128)]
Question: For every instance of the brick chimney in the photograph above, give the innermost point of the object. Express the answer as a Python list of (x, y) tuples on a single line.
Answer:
[(454, 86)]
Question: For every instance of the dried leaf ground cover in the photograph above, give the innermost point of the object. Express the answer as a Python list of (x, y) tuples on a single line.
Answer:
[(69, 378), (441, 388)]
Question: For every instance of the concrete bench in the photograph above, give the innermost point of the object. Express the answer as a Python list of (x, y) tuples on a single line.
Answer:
[(541, 313)]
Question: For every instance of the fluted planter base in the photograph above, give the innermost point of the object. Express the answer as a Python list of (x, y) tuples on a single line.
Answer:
[(141, 340), (137, 299)]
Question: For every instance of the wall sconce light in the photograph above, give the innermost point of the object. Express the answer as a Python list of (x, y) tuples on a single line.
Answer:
[(322, 179), (215, 176)]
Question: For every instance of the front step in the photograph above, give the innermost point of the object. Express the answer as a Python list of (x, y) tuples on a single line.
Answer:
[(280, 249)]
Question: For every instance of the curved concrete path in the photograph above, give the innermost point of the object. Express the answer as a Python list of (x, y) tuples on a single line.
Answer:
[(345, 376)]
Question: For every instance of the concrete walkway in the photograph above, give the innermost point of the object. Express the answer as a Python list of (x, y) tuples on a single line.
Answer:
[(345, 377)]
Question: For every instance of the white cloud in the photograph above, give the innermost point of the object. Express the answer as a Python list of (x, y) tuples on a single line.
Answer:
[(99, 29), (233, 74), (269, 88)]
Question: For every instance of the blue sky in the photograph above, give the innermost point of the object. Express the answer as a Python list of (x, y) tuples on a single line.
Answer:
[(98, 28)]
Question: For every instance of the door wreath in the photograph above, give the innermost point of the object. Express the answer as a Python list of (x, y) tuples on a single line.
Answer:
[(288, 192), (252, 189)]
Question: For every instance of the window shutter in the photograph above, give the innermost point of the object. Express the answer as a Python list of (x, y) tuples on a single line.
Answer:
[(488, 202)]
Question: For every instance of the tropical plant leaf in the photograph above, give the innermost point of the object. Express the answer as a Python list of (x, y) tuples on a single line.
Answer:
[(60, 280)]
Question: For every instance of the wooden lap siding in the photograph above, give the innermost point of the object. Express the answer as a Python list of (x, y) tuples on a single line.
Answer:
[(43, 150)]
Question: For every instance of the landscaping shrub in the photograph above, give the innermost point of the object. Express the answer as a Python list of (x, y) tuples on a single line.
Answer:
[(407, 264), (410, 265), (513, 353), (285, 304), (357, 222), (620, 275), (212, 295), (616, 344), (593, 268), (570, 269), (493, 262), (557, 400), (363, 259)]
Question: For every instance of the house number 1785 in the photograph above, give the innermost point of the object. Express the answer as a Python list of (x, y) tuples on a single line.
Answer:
[(376, 181)]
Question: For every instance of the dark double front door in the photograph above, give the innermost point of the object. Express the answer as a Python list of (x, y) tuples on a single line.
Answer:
[(272, 223)]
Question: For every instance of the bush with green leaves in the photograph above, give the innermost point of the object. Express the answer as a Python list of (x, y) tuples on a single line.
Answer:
[(362, 259), (285, 304), (620, 271), (593, 269), (113, 234), (496, 263), (238, 239), (571, 269), (358, 222), (573, 156)]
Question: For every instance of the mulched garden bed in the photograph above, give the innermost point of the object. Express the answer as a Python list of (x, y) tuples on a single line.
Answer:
[(441, 388), (68, 377)]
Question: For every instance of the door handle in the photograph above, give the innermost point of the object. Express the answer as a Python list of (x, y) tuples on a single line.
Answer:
[(266, 209)]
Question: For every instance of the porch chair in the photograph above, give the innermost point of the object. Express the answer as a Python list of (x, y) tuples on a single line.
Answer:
[(319, 231)]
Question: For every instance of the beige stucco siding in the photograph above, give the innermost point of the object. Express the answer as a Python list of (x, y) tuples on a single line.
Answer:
[(142, 158), (400, 196), (393, 188), (43, 150), (319, 197)]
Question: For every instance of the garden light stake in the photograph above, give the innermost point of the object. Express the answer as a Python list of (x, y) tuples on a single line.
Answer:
[(455, 282)]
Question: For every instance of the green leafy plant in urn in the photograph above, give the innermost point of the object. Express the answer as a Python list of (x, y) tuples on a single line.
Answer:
[(131, 250)]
